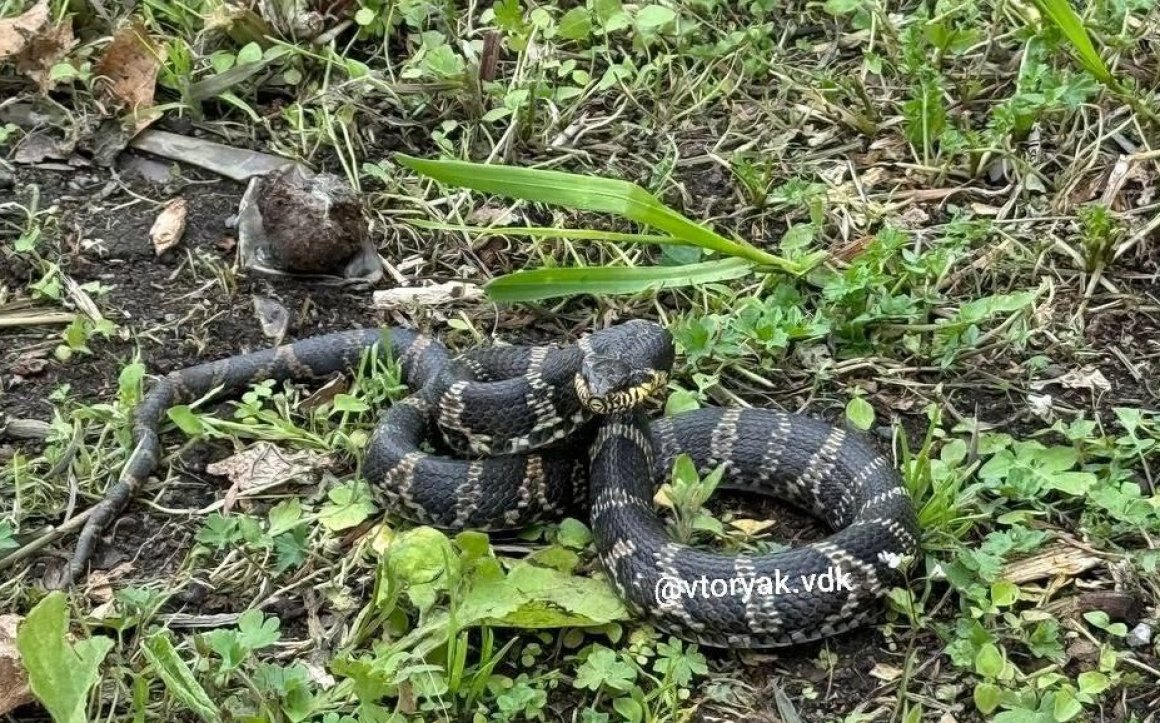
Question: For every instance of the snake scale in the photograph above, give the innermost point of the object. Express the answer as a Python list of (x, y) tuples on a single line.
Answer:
[(531, 432)]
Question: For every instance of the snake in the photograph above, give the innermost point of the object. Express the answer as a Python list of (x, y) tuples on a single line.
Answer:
[(502, 437)]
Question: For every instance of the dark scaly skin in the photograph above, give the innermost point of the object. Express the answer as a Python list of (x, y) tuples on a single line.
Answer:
[(497, 400), (313, 358), (511, 491), (832, 473)]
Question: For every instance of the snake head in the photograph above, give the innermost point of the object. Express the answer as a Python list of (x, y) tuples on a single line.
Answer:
[(607, 384)]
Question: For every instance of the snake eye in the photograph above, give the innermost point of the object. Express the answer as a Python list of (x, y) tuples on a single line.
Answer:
[(597, 405)]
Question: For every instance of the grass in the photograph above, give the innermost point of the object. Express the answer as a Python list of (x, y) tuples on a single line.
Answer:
[(921, 220)]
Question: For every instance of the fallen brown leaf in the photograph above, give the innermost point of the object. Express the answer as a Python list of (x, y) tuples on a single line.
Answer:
[(16, 32), (325, 394), (35, 43), (101, 581), (129, 68), (14, 690), (169, 226), (264, 465)]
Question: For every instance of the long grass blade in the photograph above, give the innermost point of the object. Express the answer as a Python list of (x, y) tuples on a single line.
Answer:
[(578, 234), (547, 283), (1064, 16), (587, 193)]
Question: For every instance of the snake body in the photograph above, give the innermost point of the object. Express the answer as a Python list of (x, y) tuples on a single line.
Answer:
[(528, 433)]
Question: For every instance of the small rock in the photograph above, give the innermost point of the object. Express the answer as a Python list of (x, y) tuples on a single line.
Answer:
[(1139, 636), (7, 179)]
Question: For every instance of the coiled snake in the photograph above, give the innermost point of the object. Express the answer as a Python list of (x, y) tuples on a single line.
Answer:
[(537, 430)]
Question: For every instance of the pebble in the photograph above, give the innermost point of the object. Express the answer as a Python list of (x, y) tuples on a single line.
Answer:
[(1139, 636)]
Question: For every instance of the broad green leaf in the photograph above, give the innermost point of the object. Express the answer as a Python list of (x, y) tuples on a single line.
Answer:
[(987, 697), (586, 193), (177, 676), (349, 505), (473, 544), (1093, 682), (860, 413), (257, 631), (630, 711), (423, 561), (1066, 707), (1073, 483), (651, 17), (573, 533), (60, 673), (989, 661), (576, 24), (1004, 593), (284, 516), (547, 283), (186, 420), (540, 597)]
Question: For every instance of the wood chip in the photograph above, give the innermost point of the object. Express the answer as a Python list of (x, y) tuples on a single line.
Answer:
[(885, 673), (1058, 560), (435, 295), (169, 227)]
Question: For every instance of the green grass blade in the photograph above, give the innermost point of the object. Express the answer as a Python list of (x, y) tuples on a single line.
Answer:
[(578, 234), (587, 193), (547, 283), (178, 677), (1061, 13)]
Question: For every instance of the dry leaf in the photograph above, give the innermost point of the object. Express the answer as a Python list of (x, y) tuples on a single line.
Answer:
[(1086, 378), (14, 690), (885, 673), (272, 317), (752, 527), (35, 43), (1055, 561), (101, 581), (264, 465), (325, 394), (1040, 405), (169, 226), (129, 66), (15, 33)]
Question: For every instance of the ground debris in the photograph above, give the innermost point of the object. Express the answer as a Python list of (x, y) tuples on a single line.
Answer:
[(296, 223), (35, 43), (129, 67), (170, 226), (433, 295), (265, 465), (238, 164), (14, 690)]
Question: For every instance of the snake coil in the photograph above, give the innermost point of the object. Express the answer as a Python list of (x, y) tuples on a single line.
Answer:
[(530, 432)]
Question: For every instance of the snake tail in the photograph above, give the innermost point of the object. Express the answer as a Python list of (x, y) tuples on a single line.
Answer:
[(313, 358)]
